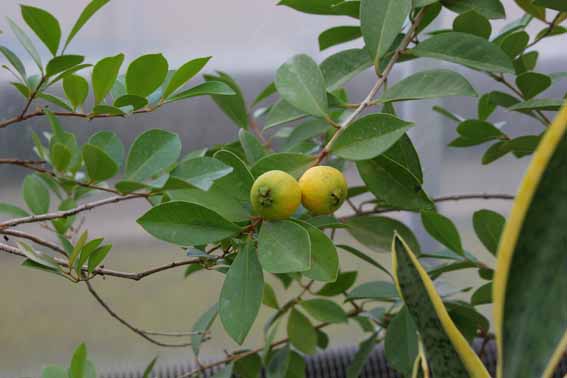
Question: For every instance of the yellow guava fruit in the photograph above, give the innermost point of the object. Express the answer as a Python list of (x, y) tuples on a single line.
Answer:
[(323, 189), (275, 195)]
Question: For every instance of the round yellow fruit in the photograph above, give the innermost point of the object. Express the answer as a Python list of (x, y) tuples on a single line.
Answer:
[(275, 195), (323, 189)]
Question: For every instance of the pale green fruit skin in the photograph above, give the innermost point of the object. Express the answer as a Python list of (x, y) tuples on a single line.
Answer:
[(324, 189), (275, 195)]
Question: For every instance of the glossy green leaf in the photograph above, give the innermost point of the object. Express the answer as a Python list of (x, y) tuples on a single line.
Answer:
[(100, 166), (381, 21), (488, 226), (105, 73), (86, 14), (341, 67), (532, 83), (202, 325), (344, 281), (306, 130), (552, 4), (337, 35), (282, 112), (184, 74), (269, 297), (325, 7), (249, 366), (403, 154), (284, 247), (394, 184), (447, 350), (301, 333), (12, 211), (325, 310), (377, 232), (97, 257), (293, 163), (107, 109), (60, 156), (361, 356), (429, 84), (401, 344), (15, 61), (76, 89), (214, 199), (151, 153), (369, 136), (35, 194), (185, 223), (237, 183), (201, 171), (268, 91), (130, 102), (377, 290), (538, 104), (241, 294), (146, 74), (443, 230), (233, 106), (110, 143), (61, 63), (253, 149), (79, 363), (491, 9), (483, 295), (215, 89), (44, 25), (324, 258), (473, 23), (473, 132), (534, 10), (529, 285), (26, 42), (300, 82), (466, 49)]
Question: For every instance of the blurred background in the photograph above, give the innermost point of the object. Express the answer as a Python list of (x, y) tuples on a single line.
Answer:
[(43, 318)]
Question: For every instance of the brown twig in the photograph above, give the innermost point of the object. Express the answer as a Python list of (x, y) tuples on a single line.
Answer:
[(138, 331), (35, 239)]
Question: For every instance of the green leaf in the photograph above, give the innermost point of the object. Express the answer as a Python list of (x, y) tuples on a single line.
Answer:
[(97, 257), (531, 257), (378, 290), (491, 9), (149, 369), (14, 61), (213, 199), (146, 74), (473, 23), (307, 130), (393, 184), (104, 75), (325, 310), (340, 68), (35, 194), (76, 89), (61, 63), (269, 90), (202, 325), (216, 89), (107, 109), (100, 166), (364, 257), (337, 35), (515, 43), (344, 281), (53, 371), (253, 149), (530, 8), (110, 143), (369, 136), (185, 223), (78, 363), (429, 84), (86, 14), (60, 156), (547, 104), (483, 295), (300, 82), (324, 258), (443, 230), (532, 83), (447, 350), (233, 106), (284, 247), (269, 297), (552, 4), (238, 183), (326, 7), (301, 333), (12, 210), (133, 101), (401, 344), (466, 49), (377, 233), (241, 294), (184, 74), (293, 163), (44, 25), (151, 153), (381, 21), (55, 100), (488, 226), (473, 132), (201, 171), (282, 112), (26, 42), (361, 356)]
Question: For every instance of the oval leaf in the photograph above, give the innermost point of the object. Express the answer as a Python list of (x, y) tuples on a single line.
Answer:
[(145, 74), (284, 247)]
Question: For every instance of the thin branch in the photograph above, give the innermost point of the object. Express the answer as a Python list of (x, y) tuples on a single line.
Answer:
[(22, 162), (32, 97), (128, 325), (35, 239), (547, 31), (381, 81), (68, 213)]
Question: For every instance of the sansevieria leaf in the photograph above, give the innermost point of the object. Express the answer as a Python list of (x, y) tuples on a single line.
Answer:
[(447, 350), (530, 306)]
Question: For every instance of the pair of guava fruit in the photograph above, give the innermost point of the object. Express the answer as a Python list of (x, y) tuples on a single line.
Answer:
[(276, 194)]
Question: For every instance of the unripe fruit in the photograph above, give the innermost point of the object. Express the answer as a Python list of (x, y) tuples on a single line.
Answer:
[(324, 189), (275, 195)]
